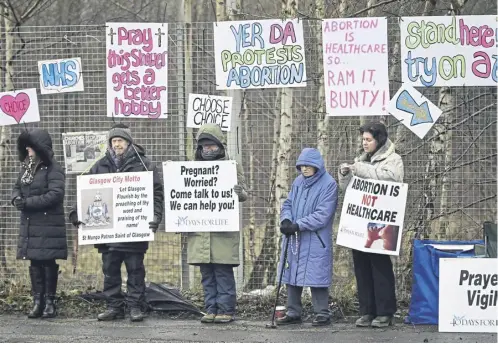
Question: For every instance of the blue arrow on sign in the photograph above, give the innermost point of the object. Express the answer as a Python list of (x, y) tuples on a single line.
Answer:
[(420, 113)]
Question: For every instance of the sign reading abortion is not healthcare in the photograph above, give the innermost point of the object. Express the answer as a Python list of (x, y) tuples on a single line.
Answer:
[(372, 216), (449, 51), (259, 54)]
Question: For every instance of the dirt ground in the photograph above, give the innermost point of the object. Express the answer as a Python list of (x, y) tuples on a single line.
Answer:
[(16, 328)]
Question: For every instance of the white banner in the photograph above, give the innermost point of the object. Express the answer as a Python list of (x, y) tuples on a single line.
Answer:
[(83, 149), (199, 196), (449, 50), (137, 70), (203, 108), (259, 54), (372, 216), (355, 64), (58, 76), (115, 207), (19, 107), (468, 294)]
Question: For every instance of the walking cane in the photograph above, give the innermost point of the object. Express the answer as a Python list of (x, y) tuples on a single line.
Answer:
[(272, 325)]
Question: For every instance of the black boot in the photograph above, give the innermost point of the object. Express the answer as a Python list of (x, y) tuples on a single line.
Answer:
[(51, 276), (37, 275)]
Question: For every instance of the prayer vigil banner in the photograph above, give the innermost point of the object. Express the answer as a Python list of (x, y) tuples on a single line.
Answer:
[(449, 51), (355, 64), (259, 54), (115, 207), (468, 294), (83, 149), (199, 196), (137, 70), (372, 216), (204, 108)]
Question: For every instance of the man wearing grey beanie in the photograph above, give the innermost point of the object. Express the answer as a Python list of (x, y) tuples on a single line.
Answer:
[(124, 155)]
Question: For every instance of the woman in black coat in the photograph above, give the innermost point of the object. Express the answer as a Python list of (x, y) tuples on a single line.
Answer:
[(39, 195)]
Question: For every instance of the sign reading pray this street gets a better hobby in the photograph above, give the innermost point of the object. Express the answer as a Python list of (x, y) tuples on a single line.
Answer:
[(372, 216), (137, 70), (199, 196), (115, 207), (468, 295), (259, 54), (449, 51)]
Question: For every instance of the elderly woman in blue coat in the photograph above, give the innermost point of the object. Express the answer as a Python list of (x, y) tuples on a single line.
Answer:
[(306, 221)]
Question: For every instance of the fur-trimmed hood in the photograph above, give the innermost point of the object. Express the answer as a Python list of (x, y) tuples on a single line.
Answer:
[(40, 141)]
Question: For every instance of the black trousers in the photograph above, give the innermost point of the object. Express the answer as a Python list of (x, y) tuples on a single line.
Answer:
[(42, 263), (111, 267), (375, 283)]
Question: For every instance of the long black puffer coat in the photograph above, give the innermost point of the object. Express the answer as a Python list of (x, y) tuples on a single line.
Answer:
[(134, 161), (42, 235)]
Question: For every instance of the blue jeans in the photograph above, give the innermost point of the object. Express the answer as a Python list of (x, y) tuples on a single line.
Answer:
[(220, 295)]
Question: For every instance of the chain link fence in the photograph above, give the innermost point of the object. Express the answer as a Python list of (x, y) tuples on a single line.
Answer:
[(451, 173)]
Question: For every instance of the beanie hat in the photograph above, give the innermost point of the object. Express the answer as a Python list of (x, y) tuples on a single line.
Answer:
[(120, 130)]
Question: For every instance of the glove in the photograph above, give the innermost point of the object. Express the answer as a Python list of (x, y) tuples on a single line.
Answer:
[(19, 203), (238, 190), (154, 224), (73, 218), (288, 231)]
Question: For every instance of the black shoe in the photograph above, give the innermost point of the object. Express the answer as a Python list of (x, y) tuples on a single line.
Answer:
[(37, 276), (287, 320), (37, 310), (51, 277), (321, 320), (136, 314), (111, 314)]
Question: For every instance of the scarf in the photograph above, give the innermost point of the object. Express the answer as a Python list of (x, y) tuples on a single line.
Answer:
[(29, 173), (118, 159)]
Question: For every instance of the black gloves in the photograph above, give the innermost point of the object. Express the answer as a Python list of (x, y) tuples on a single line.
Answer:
[(19, 203), (288, 228), (154, 224), (73, 218)]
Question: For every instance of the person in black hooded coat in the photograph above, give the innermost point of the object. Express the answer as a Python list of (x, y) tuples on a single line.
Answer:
[(39, 195), (124, 155)]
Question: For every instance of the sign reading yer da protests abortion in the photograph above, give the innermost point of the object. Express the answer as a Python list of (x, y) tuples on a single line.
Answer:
[(372, 216), (199, 196), (115, 207), (259, 54), (137, 70)]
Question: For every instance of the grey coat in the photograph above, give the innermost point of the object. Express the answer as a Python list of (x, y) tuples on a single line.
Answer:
[(385, 165)]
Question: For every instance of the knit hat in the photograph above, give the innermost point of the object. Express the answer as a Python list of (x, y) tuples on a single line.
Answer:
[(120, 130)]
